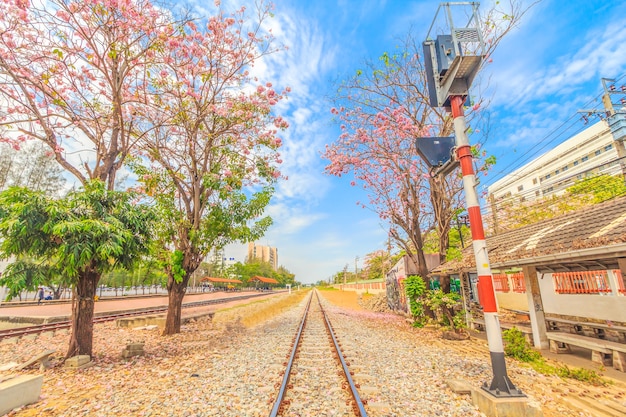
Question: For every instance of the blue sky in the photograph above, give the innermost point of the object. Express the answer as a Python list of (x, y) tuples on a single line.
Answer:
[(542, 73)]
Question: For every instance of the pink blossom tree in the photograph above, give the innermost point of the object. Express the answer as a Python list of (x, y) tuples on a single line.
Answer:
[(73, 74), (212, 158), (382, 110)]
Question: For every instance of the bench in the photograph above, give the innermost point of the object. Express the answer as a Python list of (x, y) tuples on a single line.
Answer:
[(578, 327), (43, 358), (602, 351), (479, 324)]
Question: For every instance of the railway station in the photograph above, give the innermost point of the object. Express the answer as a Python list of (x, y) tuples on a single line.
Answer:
[(312, 209)]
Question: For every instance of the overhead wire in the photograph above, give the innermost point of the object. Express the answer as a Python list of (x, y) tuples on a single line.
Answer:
[(558, 131)]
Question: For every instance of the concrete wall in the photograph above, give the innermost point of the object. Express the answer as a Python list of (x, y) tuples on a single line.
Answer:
[(363, 287), (512, 300)]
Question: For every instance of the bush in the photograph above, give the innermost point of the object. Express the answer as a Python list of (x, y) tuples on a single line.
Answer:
[(415, 289), (517, 347)]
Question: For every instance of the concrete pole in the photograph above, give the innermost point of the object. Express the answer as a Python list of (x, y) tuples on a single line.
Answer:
[(501, 385)]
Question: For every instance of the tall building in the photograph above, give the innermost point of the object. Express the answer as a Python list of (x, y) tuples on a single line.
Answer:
[(264, 253), (593, 151)]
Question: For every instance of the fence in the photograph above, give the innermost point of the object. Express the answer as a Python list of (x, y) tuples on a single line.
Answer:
[(501, 283), (581, 282), (517, 279)]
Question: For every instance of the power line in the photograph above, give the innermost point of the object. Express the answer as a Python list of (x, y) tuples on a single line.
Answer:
[(558, 131)]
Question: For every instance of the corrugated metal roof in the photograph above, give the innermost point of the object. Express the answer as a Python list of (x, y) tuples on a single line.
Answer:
[(598, 226), (264, 279)]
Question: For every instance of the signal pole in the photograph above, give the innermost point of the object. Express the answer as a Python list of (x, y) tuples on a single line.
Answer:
[(452, 60), (500, 384)]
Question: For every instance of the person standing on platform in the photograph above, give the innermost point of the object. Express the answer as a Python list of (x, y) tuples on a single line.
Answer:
[(40, 295)]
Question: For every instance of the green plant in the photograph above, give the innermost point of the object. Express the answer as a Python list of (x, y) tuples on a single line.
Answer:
[(415, 289), (517, 347), (580, 374), (445, 305)]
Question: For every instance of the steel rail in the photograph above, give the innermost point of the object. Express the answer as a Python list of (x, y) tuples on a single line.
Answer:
[(292, 356), (358, 404), (44, 327)]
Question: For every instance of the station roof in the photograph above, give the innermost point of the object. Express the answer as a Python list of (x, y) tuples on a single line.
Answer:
[(264, 279), (222, 280), (591, 238)]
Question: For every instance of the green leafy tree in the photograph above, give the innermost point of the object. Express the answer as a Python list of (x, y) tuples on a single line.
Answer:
[(599, 188), (87, 233), (26, 273)]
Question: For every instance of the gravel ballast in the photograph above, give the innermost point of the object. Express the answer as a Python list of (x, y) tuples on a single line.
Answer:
[(221, 368)]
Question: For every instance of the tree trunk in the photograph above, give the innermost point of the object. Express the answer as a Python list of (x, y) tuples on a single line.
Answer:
[(81, 340), (175, 292)]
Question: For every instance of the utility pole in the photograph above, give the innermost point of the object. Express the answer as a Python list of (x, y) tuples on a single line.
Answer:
[(616, 119), (356, 270)]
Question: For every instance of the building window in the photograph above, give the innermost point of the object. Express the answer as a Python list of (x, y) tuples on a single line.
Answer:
[(520, 188), (537, 193), (584, 159), (598, 152), (557, 172), (548, 176), (575, 163), (549, 189), (534, 181), (608, 147), (565, 168)]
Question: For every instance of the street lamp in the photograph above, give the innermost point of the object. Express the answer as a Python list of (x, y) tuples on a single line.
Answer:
[(462, 220)]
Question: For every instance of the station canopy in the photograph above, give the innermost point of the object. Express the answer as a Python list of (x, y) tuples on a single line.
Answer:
[(220, 280), (264, 280)]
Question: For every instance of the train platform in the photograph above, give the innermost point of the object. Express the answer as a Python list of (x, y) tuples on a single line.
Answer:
[(54, 311)]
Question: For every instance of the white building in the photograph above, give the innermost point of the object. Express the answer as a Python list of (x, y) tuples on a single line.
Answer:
[(591, 152)]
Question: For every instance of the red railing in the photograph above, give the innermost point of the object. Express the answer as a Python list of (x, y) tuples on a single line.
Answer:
[(501, 283), (581, 282), (619, 278), (517, 279)]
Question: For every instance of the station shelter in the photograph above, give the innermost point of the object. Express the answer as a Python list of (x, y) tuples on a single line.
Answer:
[(222, 283), (264, 283), (566, 274)]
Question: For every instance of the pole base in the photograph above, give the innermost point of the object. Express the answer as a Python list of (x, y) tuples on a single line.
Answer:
[(502, 388), (493, 406)]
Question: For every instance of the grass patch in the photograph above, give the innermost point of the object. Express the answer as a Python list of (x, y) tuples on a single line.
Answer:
[(518, 348), (259, 311)]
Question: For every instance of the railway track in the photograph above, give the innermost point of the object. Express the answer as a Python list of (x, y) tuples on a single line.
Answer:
[(47, 327), (317, 380)]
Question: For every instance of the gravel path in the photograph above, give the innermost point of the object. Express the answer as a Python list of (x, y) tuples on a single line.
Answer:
[(221, 368)]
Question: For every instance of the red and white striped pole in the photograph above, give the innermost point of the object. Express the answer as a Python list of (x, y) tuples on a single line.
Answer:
[(501, 385)]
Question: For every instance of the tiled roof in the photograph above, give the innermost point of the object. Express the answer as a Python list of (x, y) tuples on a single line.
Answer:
[(589, 238)]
